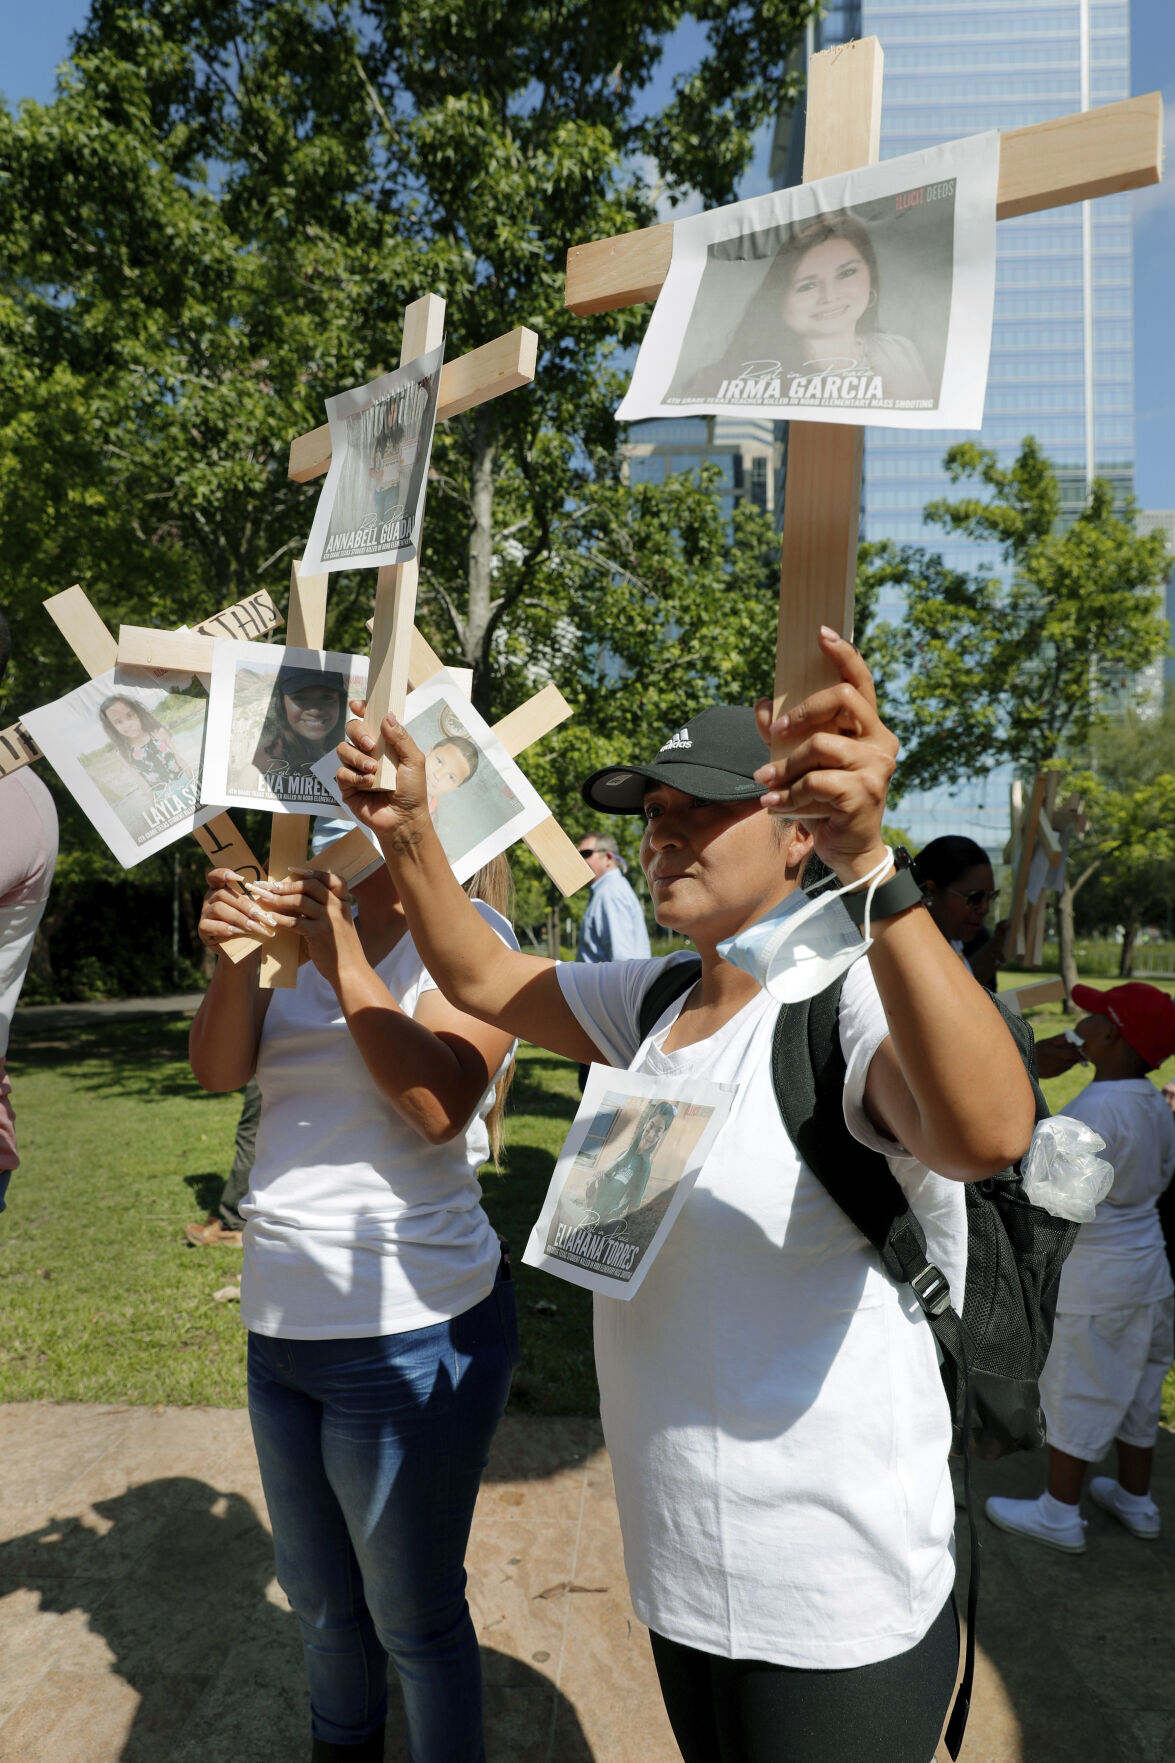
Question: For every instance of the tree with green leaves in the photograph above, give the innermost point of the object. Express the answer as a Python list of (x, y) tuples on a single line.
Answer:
[(219, 220), (1018, 663), (1015, 662), (1128, 853)]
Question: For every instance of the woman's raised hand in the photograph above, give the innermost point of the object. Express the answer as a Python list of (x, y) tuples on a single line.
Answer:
[(317, 905), (836, 778), (397, 817), (227, 911)]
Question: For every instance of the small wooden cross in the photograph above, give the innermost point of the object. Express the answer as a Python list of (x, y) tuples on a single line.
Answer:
[(1039, 826), (1071, 159)]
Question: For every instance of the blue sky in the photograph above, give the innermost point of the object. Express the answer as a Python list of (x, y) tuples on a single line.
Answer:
[(32, 53)]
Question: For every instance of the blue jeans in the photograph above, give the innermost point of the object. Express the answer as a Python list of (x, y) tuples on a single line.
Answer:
[(371, 1453)]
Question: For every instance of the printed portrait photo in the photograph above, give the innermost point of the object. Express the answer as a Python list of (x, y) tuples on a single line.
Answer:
[(862, 298), (372, 503), (850, 309), (130, 753), (630, 1159), (274, 712), (479, 799)]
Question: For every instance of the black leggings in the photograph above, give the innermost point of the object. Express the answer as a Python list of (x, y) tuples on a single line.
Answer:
[(745, 1711)]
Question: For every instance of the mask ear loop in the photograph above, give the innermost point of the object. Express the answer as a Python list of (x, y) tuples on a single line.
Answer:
[(875, 881)]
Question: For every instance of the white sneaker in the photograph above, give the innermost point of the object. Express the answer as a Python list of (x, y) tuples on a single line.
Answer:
[(1142, 1522), (1025, 1518)]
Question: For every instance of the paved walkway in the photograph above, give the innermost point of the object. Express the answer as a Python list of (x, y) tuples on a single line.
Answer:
[(140, 1621)]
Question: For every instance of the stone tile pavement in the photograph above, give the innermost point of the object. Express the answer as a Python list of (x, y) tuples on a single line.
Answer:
[(140, 1621)]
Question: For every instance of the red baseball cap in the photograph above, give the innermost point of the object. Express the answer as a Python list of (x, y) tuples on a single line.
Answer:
[(1144, 1015)]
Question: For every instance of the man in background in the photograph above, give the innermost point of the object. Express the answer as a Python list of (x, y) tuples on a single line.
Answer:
[(613, 927), (28, 857)]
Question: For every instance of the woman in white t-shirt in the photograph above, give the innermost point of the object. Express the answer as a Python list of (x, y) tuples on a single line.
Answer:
[(381, 1321), (771, 1400)]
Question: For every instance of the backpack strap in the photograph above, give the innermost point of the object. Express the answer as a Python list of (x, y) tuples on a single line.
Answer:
[(675, 978), (808, 1074)]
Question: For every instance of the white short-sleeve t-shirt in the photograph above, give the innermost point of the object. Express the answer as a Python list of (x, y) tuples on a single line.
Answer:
[(355, 1226), (771, 1399), (1119, 1257)]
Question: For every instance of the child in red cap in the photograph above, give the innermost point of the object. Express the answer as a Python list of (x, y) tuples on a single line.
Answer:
[(1112, 1340)]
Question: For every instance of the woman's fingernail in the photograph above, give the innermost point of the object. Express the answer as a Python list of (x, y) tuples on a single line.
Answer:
[(366, 742), (827, 632), (270, 919), (781, 723)]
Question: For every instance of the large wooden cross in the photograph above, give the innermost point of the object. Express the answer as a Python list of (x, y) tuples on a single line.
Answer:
[(1037, 827), (1094, 153)]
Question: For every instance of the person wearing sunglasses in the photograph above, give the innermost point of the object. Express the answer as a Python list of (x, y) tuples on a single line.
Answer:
[(958, 887), (613, 926)]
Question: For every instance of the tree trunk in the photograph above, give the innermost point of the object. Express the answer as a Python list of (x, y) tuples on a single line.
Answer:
[(1126, 959), (480, 560), (1066, 943)]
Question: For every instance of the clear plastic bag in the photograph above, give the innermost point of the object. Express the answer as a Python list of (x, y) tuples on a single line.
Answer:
[(1062, 1171)]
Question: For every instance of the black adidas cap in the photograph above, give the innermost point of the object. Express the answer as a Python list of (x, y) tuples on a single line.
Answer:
[(714, 757)]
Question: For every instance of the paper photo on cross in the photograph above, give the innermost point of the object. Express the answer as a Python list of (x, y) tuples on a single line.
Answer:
[(371, 508), (479, 799), (129, 754), (863, 298), (273, 711), (632, 1156)]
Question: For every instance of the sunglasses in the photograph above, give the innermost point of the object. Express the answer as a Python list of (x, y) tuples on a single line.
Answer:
[(975, 897), (586, 850)]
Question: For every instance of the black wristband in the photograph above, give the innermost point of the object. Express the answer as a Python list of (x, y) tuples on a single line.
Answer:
[(897, 894)]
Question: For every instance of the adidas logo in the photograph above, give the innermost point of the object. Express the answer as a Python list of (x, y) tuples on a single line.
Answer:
[(680, 739)]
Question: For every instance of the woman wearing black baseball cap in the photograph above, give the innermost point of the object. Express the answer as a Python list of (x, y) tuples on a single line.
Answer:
[(771, 1401)]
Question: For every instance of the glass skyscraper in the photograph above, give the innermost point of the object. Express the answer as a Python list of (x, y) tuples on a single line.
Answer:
[(1062, 348)]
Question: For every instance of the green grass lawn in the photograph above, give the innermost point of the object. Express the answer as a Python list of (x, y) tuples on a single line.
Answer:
[(102, 1301)]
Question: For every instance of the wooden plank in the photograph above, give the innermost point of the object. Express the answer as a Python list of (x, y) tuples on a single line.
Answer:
[(307, 622), (167, 651), (522, 727), (1068, 159), (83, 630), (251, 618), (558, 856), (1044, 991), (17, 749), (289, 840), (288, 846), (822, 499), (395, 591), (1016, 941), (1079, 157), (348, 856), (499, 366)]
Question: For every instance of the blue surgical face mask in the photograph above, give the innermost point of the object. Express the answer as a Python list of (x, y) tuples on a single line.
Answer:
[(804, 943)]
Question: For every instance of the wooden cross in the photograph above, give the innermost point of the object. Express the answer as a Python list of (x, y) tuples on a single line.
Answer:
[(80, 624), (1039, 826), (497, 367), (1073, 158)]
